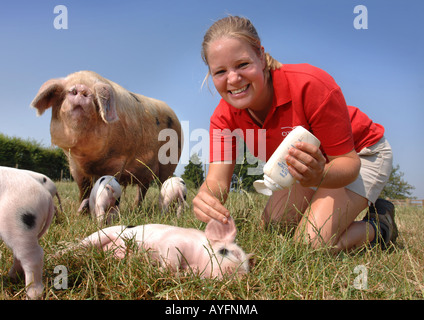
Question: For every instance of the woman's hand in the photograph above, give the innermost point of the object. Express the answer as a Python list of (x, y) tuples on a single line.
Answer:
[(306, 164), (208, 203), (206, 207)]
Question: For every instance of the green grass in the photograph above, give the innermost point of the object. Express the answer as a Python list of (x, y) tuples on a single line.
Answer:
[(284, 269)]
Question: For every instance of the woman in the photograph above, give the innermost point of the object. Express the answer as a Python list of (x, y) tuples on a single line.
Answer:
[(335, 182)]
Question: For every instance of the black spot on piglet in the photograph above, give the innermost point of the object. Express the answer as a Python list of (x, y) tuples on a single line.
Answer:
[(169, 123), (28, 219)]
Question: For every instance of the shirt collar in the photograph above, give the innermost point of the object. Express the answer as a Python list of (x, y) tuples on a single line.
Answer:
[(281, 87), (281, 94)]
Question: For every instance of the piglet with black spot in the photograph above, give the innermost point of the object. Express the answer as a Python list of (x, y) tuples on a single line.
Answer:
[(26, 211), (46, 182)]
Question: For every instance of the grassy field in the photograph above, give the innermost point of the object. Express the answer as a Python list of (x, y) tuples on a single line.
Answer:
[(283, 270)]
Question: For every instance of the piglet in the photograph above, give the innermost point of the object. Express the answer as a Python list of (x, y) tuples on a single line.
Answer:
[(47, 183), (211, 253), (104, 199), (26, 211), (173, 189)]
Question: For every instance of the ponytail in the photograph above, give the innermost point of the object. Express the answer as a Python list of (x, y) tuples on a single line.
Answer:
[(271, 63)]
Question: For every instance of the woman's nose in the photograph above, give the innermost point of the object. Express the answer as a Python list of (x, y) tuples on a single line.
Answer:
[(233, 77)]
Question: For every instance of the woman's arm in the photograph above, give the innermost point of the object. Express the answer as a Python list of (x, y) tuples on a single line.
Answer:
[(309, 167), (208, 203)]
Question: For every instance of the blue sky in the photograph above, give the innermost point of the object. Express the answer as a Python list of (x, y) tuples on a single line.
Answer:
[(153, 48)]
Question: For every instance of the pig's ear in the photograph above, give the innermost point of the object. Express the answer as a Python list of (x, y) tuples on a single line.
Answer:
[(106, 98), (218, 232), (48, 95)]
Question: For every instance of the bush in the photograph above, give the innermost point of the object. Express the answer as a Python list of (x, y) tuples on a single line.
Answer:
[(30, 155)]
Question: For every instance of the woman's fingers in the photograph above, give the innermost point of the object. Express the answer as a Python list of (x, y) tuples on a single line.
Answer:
[(206, 206), (306, 164)]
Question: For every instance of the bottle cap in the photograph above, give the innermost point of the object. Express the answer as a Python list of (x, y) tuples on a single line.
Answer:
[(266, 186)]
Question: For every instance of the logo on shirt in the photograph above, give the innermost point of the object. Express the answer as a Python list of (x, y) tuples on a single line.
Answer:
[(286, 130)]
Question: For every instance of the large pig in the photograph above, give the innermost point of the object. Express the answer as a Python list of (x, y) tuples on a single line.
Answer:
[(173, 189), (26, 211), (106, 130), (211, 253), (104, 199)]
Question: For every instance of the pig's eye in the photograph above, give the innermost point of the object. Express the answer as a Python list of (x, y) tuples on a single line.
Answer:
[(223, 252)]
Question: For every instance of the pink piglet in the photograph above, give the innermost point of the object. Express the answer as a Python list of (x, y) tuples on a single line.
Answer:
[(211, 253), (26, 211)]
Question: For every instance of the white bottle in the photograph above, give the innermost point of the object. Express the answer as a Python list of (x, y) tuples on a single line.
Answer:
[(276, 173)]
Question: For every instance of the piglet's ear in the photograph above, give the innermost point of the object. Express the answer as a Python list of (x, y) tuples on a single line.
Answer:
[(48, 95), (106, 99), (218, 232)]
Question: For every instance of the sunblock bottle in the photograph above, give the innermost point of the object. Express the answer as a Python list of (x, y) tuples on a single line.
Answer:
[(276, 173)]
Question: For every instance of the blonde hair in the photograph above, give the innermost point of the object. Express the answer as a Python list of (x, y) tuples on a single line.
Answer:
[(238, 28)]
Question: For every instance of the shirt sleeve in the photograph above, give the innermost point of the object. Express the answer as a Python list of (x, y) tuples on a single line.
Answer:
[(330, 123)]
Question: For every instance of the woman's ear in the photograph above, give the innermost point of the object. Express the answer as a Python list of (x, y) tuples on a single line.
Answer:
[(263, 58)]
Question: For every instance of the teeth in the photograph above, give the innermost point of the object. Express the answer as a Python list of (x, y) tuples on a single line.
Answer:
[(240, 90)]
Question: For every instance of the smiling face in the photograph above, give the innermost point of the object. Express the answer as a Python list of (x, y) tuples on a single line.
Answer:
[(238, 74)]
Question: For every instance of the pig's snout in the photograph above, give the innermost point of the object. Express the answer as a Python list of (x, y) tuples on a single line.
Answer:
[(80, 95)]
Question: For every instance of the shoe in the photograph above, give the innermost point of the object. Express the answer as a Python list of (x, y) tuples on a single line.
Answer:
[(381, 216)]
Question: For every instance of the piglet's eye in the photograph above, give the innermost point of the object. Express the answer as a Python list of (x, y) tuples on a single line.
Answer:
[(223, 252)]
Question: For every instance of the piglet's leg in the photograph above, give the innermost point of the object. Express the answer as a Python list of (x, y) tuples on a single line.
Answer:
[(112, 214), (100, 215), (16, 270), (31, 258)]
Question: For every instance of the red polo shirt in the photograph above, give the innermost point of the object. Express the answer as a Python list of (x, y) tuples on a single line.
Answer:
[(303, 96)]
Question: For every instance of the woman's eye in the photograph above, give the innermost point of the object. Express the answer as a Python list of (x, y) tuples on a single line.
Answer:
[(217, 73), (244, 64)]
